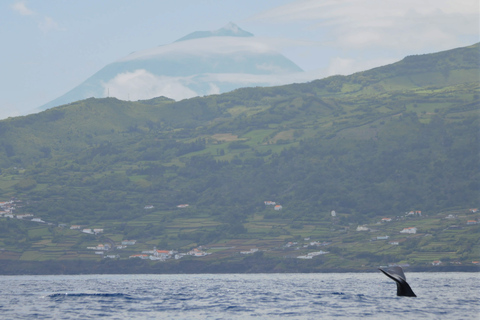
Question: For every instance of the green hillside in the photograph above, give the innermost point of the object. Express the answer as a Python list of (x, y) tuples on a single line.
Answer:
[(379, 143)]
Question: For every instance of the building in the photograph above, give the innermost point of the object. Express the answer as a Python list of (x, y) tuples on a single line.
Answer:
[(253, 250), (409, 230), (414, 213), (197, 253)]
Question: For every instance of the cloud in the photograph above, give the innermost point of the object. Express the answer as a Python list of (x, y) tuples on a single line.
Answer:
[(347, 66), (47, 24), (21, 7), (214, 89), (204, 46), (141, 84), (353, 24)]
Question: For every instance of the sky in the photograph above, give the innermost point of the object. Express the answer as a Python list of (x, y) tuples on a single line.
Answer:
[(50, 47)]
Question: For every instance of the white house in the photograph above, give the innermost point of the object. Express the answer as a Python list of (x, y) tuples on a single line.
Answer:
[(362, 228), (305, 257), (414, 213), (102, 247), (278, 207), (26, 215), (409, 230), (253, 250), (312, 254), (197, 253)]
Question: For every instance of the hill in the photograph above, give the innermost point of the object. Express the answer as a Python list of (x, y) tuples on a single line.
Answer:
[(379, 143)]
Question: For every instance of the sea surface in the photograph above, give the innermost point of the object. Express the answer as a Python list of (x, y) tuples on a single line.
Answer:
[(239, 296)]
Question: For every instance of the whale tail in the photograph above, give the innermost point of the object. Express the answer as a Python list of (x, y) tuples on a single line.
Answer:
[(397, 275)]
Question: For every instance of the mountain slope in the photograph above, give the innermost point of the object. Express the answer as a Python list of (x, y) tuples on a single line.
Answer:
[(374, 144), (198, 64), (315, 104)]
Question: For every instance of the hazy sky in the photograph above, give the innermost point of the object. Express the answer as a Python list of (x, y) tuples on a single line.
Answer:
[(49, 47)]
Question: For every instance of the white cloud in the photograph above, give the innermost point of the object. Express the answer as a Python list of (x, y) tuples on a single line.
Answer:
[(384, 23), (47, 24), (141, 85), (340, 66), (347, 66), (214, 89), (21, 8), (205, 46), (244, 79), (8, 110)]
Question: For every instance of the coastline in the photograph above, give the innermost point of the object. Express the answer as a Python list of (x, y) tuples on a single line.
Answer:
[(78, 267)]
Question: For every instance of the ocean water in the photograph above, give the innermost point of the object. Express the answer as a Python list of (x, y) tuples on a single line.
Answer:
[(239, 296)]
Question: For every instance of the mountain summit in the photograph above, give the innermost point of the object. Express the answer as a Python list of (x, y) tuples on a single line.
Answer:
[(230, 30), (200, 63)]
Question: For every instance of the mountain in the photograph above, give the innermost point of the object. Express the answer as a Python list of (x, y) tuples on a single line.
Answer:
[(230, 30), (380, 143), (201, 63)]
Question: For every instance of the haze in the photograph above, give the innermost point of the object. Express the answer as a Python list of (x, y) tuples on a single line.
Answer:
[(50, 47)]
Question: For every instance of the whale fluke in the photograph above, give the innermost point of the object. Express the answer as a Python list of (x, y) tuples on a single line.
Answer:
[(397, 275)]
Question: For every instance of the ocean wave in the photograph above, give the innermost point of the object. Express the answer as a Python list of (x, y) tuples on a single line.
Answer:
[(87, 294)]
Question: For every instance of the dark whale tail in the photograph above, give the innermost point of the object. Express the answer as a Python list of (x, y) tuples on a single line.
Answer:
[(397, 275)]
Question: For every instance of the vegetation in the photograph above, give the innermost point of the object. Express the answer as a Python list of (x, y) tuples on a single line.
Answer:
[(377, 143)]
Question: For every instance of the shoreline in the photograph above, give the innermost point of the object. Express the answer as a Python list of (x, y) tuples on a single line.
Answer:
[(82, 267)]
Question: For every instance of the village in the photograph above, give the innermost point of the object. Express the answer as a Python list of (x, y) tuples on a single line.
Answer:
[(112, 250)]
